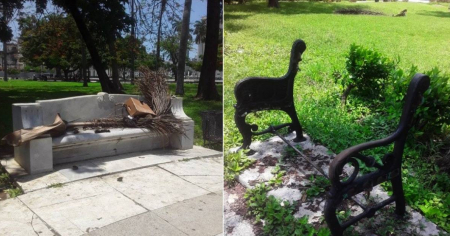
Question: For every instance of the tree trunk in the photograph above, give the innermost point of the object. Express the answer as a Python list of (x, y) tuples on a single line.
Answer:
[(5, 51), (207, 84), (58, 73), (114, 66), (132, 43), (5, 62), (83, 65), (346, 93), (107, 85), (273, 3), (158, 40), (66, 75), (183, 47)]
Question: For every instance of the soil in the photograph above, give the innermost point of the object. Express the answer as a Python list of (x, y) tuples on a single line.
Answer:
[(238, 206), (356, 11)]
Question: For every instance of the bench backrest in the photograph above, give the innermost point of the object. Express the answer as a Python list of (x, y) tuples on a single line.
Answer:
[(80, 108)]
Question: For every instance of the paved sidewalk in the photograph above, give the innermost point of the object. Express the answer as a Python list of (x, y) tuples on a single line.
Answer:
[(182, 196)]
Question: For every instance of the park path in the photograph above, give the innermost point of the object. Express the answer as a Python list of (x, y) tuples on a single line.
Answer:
[(297, 179), (179, 193)]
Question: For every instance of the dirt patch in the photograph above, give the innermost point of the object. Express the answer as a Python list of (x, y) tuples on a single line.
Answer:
[(238, 206), (269, 161), (356, 11)]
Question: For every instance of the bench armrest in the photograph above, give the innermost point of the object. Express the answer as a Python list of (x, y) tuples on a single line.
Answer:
[(26, 115)]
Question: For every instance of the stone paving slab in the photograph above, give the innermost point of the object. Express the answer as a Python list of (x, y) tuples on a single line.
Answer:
[(110, 202), (87, 214), (153, 187), (66, 173), (211, 183), (68, 192), (194, 167), (152, 225), (18, 219), (200, 216)]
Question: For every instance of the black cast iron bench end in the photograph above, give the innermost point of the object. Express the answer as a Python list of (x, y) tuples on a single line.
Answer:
[(258, 94), (389, 170)]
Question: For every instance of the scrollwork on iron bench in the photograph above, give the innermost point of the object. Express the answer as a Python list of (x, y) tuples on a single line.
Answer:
[(389, 170)]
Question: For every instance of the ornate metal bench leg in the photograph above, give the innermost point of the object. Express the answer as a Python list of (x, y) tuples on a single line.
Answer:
[(295, 124), (330, 217), (397, 189), (245, 130)]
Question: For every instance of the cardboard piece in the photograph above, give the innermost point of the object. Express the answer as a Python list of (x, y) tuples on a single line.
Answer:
[(137, 108)]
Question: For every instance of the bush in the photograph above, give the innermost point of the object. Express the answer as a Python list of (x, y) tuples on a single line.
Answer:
[(435, 110), (434, 113), (367, 71), (13, 71)]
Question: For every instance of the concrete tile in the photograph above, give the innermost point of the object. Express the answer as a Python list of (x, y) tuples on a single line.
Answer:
[(197, 216), (153, 187), (150, 159), (218, 159), (12, 167), (205, 151), (87, 214), (86, 169), (33, 182), (115, 164), (69, 192), (146, 224), (17, 219), (204, 166), (211, 183)]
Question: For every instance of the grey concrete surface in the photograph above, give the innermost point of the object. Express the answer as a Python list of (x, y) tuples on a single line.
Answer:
[(144, 201)]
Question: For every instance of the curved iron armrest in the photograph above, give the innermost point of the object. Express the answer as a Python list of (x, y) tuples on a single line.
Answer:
[(349, 155), (389, 170)]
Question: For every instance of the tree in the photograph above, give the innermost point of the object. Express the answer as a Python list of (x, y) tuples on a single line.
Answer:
[(157, 18), (200, 30), (171, 47), (7, 11), (273, 3), (53, 41), (183, 47), (125, 59), (107, 19), (207, 87)]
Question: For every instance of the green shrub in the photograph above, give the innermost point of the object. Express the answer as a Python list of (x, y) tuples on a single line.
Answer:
[(435, 110), (234, 163), (434, 113), (367, 71), (13, 71)]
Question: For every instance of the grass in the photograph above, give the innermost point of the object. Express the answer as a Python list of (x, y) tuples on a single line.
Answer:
[(258, 41), (20, 91)]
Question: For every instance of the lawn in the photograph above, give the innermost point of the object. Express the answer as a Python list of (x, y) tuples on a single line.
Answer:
[(258, 42), (19, 91)]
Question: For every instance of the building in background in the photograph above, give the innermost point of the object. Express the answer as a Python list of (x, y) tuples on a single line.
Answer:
[(13, 57)]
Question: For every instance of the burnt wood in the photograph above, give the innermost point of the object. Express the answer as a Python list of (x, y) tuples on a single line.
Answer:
[(258, 94), (389, 170)]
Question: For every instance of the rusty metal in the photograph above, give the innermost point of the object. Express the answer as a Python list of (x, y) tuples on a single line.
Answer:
[(389, 170), (258, 94)]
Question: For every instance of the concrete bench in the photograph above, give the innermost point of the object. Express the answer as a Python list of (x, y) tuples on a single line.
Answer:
[(40, 154)]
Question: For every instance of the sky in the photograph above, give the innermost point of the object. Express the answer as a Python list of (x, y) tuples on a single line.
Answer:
[(198, 10)]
